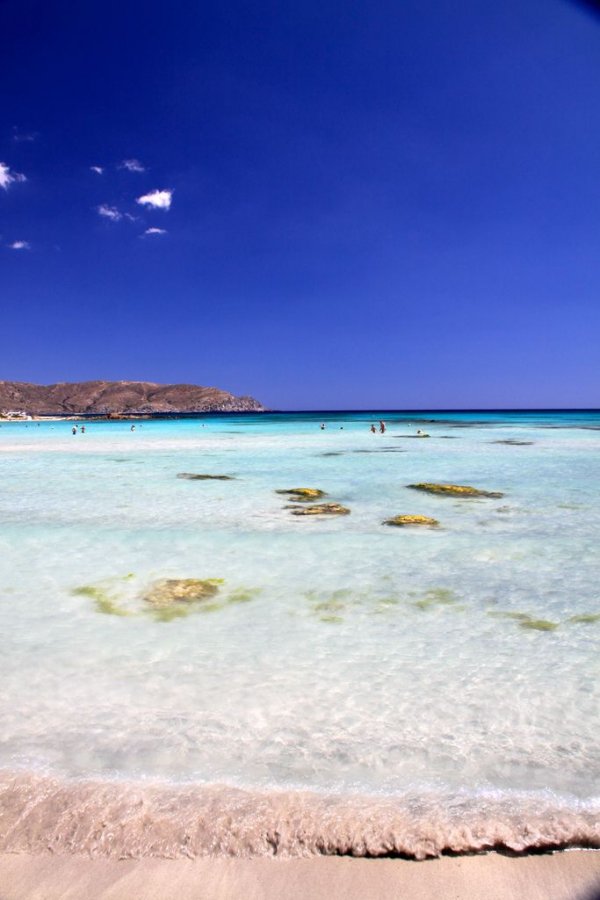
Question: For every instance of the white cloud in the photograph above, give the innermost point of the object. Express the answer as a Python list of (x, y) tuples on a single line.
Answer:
[(20, 245), (7, 177), (155, 231), (156, 199), (20, 136), (109, 212), (97, 169), (132, 165)]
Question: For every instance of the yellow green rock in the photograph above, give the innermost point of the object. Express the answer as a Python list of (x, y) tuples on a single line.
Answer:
[(180, 592), (453, 490), (320, 509), (302, 494), (402, 521)]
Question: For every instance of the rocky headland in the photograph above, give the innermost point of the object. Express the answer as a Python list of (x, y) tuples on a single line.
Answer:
[(117, 398)]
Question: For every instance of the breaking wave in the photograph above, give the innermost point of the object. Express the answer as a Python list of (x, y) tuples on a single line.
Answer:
[(40, 814)]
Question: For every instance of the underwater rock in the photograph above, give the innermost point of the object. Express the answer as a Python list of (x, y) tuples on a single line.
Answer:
[(401, 521), (303, 495), (168, 592), (320, 509), (191, 476), (453, 490)]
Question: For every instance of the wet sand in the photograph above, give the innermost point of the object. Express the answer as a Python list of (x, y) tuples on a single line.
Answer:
[(573, 875)]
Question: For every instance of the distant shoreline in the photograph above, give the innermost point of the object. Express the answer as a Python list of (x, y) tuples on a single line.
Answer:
[(372, 411)]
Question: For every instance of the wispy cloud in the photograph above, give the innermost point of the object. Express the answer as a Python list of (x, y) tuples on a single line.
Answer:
[(97, 169), (21, 136), (109, 212), (132, 165), (154, 231), (156, 199), (20, 245), (7, 177)]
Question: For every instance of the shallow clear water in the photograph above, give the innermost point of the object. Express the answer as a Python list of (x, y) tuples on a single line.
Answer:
[(340, 654)]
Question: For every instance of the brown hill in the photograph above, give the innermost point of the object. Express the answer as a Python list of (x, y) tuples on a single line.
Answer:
[(118, 397)]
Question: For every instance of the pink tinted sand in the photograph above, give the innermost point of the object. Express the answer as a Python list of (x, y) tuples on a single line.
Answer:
[(573, 875)]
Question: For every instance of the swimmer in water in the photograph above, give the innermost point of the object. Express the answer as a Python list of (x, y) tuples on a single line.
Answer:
[(132, 428), (74, 429), (382, 427), (373, 429)]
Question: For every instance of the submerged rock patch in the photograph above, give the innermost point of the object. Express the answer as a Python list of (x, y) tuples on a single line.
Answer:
[(453, 490), (165, 599)]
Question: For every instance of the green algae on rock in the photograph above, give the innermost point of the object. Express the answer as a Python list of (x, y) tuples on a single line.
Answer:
[(172, 592), (191, 476), (525, 620), (435, 597), (103, 601), (303, 495), (242, 595), (453, 490), (403, 521), (320, 509), (329, 607), (538, 624), (385, 605)]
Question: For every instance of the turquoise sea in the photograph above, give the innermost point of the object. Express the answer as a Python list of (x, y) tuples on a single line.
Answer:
[(445, 677)]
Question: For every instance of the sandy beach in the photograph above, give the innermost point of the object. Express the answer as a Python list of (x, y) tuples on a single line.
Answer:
[(573, 875)]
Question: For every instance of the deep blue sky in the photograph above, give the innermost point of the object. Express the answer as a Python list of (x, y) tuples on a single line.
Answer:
[(392, 204)]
